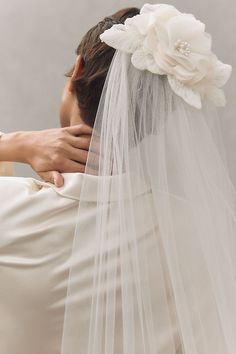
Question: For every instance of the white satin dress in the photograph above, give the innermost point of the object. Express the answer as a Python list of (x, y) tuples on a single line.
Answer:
[(37, 225)]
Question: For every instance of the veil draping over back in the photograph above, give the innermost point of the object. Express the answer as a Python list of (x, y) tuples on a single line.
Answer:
[(162, 257)]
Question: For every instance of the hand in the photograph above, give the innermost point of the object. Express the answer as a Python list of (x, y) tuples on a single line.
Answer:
[(55, 151)]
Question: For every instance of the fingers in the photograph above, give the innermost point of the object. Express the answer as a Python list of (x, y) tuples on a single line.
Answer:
[(80, 142), (70, 166), (79, 129), (77, 155), (53, 177)]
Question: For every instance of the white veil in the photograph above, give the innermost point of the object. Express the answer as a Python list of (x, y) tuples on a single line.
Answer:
[(163, 257)]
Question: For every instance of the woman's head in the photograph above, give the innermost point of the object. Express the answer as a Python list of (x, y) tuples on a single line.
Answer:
[(83, 89)]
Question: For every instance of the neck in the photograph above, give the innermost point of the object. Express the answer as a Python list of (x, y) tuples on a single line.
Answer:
[(76, 120), (75, 117)]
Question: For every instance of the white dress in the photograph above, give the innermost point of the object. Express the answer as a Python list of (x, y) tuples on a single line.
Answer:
[(37, 225)]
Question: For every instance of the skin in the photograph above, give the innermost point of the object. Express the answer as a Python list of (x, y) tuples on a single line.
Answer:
[(69, 110), (53, 151)]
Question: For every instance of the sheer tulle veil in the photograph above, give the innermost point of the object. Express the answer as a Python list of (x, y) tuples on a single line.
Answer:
[(163, 261)]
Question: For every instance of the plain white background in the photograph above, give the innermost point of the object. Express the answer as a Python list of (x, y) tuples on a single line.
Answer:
[(38, 39)]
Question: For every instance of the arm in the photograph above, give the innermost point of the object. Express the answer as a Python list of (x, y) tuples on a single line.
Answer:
[(49, 152), (12, 146)]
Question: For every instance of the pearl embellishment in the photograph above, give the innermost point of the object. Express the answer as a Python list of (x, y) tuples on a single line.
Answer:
[(183, 47)]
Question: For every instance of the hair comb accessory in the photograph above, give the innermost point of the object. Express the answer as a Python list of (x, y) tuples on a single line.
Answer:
[(168, 42)]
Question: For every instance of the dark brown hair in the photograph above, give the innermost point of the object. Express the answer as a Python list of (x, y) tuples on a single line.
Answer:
[(97, 57)]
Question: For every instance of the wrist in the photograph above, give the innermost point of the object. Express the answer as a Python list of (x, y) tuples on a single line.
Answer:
[(14, 147)]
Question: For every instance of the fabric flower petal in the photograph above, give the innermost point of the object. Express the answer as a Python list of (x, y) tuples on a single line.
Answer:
[(184, 26), (144, 61), (216, 96), (140, 23), (222, 73), (163, 11), (119, 38), (189, 95)]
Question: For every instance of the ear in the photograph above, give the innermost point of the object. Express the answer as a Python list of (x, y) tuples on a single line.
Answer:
[(78, 69)]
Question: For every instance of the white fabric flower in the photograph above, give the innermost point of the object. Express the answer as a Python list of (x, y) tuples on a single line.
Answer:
[(167, 42)]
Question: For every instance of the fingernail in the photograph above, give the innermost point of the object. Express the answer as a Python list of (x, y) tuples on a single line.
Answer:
[(56, 183)]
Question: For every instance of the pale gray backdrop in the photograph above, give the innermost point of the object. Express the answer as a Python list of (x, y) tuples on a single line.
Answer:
[(37, 43)]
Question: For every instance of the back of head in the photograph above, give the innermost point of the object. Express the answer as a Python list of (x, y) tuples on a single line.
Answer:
[(97, 57)]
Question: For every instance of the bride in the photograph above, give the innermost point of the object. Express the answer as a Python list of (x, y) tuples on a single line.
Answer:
[(136, 255)]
